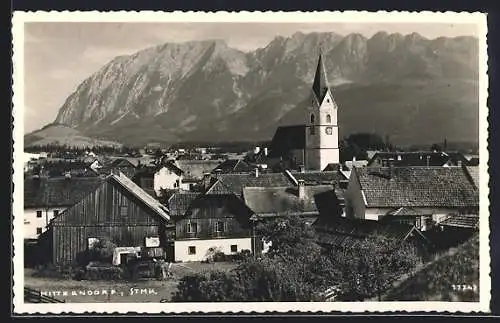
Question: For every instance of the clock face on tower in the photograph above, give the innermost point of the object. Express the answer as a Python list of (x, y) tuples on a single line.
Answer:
[(328, 130)]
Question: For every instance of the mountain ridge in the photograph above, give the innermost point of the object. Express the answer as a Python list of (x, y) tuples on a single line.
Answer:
[(206, 89)]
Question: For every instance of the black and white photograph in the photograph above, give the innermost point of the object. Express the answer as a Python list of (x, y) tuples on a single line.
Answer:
[(250, 162)]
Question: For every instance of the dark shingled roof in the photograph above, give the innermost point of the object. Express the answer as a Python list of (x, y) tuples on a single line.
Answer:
[(320, 84), (474, 174), (195, 169), (218, 206), (283, 200), (343, 231), (417, 187), (288, 138), (60, 191), (180, 201), (121, 162), (234, 166), (319, 178), (234, 183)]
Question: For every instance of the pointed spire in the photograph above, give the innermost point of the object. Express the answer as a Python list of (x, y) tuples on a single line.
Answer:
[(320, 85)]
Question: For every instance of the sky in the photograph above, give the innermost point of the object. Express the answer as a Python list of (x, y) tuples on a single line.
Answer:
[(58, 56)]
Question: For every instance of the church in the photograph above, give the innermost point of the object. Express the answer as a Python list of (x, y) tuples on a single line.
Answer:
[(313, 145)]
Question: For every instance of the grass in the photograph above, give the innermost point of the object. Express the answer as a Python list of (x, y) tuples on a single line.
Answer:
[(444, 278), (142, 291)]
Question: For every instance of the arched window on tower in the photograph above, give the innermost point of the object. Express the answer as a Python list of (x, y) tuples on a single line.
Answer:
[(312, 130), (312, 118), (328, 119)]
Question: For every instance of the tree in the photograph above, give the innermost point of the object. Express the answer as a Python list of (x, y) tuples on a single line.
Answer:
[(368, 267)]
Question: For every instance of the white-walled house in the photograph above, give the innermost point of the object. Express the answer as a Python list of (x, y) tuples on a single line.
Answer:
[(168, 176), (46, 198), (423, 196)]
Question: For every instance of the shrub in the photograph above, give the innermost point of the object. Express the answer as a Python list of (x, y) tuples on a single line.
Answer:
[(102, 251)]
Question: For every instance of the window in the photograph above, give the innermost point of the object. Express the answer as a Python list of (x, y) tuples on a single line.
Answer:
[(38, 214), (234, 248), (56, 213), (123, 210), (191, 250), (38, 230), (219, 226), (312, 130), (312, 118), (328, 118), (192, 227)]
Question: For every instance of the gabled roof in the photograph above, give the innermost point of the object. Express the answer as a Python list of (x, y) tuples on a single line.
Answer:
[(276, 201), (320, 84), (234, 166), (320, 178), (180, 201), (60, 191), (218, 206), (234, 183), (140, 194), (446, 187), (170, 166), (121, 162), (195, 169), (288, 138)]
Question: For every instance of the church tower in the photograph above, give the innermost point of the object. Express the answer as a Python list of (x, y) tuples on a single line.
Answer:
[(322, 133)]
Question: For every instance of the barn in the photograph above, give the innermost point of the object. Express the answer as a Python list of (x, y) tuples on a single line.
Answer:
[(117, 210)]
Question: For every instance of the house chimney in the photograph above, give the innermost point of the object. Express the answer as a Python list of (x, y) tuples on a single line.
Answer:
[(256, 171), (217, 172), (353, 158), (256, 150), (391, 168), (302, 189), (265, 151)]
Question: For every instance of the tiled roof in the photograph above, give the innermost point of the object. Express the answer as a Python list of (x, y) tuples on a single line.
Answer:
[(417, 187), (234, 183), (287, 138), (121, 162), (180, 201), (234, 166), (343, 231), (61, 191), (319, 178), (284, 200), (140, 194), (461, 221), (195, 169), (474, 174)]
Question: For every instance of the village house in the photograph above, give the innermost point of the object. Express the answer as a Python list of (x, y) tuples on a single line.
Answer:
[(212, 223), (45, 198), (117, 210), (420, 196), (119, 164), (194, 170), (169, 176)]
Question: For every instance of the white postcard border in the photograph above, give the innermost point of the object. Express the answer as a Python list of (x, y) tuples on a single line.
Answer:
[(19, 18)]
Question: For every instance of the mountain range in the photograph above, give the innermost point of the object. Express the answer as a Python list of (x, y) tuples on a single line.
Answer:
[(413, 89)]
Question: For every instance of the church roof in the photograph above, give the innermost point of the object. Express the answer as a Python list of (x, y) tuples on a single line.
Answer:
[(320, 85)]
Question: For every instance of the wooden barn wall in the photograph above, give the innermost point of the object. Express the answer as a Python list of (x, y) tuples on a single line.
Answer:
[(70, 242), (100, 215), (206, 228)]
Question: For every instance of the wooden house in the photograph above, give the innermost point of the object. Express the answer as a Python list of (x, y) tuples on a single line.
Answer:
[(45, 198), (118, 210), (221, 222)]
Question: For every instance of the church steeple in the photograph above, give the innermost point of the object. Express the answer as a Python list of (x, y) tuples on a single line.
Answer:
[(320, 85)]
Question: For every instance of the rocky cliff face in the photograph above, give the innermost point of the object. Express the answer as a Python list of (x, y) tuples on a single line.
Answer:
[(209, 91)]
